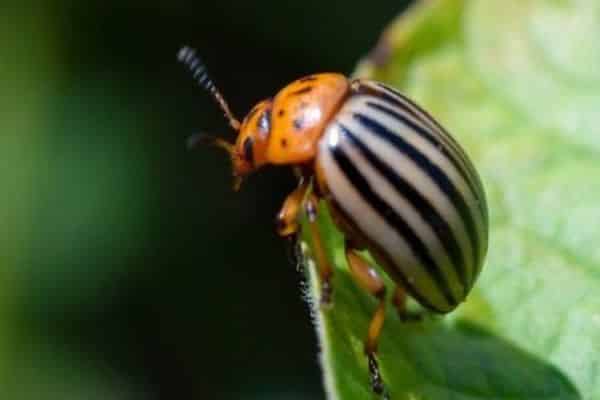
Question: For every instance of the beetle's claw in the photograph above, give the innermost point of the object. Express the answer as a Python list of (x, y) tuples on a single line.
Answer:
[(376, 381)]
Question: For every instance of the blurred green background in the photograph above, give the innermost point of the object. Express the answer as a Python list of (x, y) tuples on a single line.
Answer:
[(129, 269)]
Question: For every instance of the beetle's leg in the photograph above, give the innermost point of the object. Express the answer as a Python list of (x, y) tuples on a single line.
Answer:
[(399, 301), (366, 276), (325, 270), (288, 226), (287, 218), (294, 252)]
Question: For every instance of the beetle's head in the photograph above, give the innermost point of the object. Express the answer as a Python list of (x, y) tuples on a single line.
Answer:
[(248, 152), (251, 144)]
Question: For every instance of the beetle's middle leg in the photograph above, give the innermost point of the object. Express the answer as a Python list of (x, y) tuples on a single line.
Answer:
[(368, 278), (288, 225)]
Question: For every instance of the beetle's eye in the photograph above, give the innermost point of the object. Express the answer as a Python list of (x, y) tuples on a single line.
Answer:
[(264, 121), (248, 150)]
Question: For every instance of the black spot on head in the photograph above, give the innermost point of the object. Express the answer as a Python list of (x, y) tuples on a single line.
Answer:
[(298, 123), (249, 150), (281, 113), (303, 90), (283, 143)]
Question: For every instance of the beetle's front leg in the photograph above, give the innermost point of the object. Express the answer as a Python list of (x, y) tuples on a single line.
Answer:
[(288, 225), (287, 219), (311, 206)]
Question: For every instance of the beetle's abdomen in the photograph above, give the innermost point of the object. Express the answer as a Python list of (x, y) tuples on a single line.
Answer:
[(408, 187)]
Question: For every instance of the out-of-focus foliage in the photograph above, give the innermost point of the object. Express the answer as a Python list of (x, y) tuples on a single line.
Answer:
[(518, 84)]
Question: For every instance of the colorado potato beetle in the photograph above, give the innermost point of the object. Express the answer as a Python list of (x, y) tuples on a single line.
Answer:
[(394, 180)]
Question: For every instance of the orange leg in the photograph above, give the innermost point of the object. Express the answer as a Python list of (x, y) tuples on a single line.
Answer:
[(288, 226), (400, 302), (287, 218), (325, 269), (367, 278)]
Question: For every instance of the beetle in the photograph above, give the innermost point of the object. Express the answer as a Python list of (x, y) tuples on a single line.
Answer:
[(395, 182)]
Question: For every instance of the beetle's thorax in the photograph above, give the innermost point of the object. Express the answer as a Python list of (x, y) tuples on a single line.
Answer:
[(285, 130), (300, 114)]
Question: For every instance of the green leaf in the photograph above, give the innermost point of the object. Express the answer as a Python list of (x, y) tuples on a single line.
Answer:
[(27, 72), (518, 83)]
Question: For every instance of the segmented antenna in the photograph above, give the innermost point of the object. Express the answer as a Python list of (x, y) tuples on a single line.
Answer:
[(188, 56)]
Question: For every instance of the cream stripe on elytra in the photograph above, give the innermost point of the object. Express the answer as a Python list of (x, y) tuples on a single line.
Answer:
[(413, 209), (373, 222), (401, 180), (414, 133), (428, 223), (406, 166)]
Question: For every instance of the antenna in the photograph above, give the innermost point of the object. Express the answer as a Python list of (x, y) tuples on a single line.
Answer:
[(188, 56)]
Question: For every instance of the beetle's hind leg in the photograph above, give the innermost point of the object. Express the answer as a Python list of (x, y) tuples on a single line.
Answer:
[(368, 279)]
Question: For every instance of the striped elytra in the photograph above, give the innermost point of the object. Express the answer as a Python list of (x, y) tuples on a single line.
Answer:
[(410, 190), (396, 183)]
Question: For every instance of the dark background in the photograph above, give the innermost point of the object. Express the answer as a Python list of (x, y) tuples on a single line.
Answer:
[(129, 267)]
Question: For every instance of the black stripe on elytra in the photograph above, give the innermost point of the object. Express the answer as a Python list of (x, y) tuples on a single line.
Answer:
[(419, 203), (434, 140), (395, 97), (395, 221), (472, 180), (427, 135), (438, 176), (410, 288), (406, 103), (425, 117), (385, 260)]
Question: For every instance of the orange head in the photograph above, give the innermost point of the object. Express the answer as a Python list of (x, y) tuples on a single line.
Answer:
[(248, 153), (250, 147), (283, 130)]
